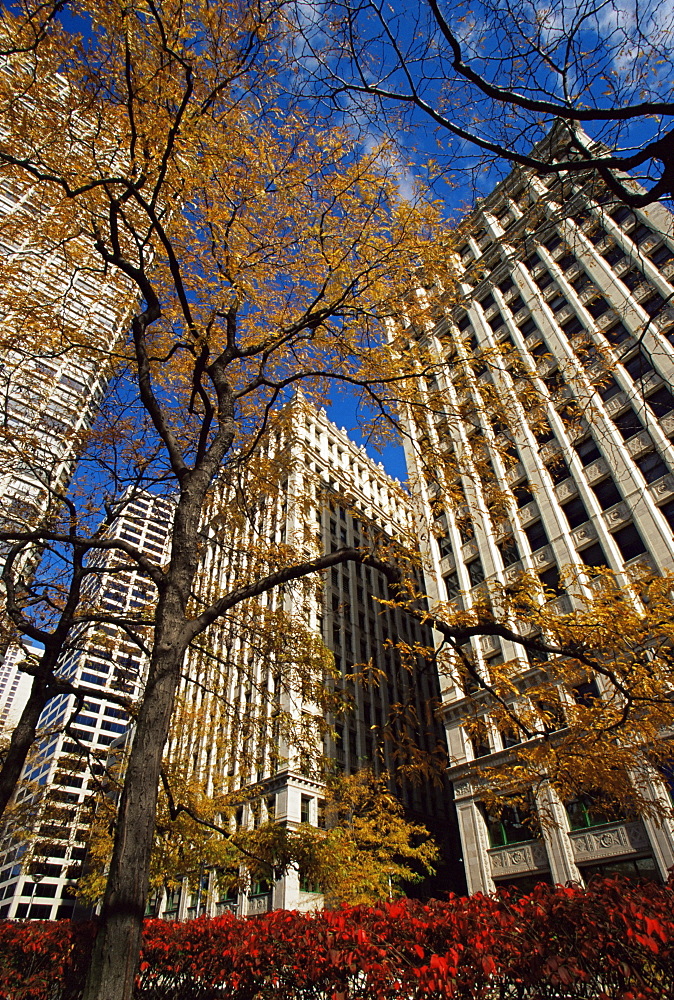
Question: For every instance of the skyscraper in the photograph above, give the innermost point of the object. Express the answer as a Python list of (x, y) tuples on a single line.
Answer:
[(63, 775), (570, 292), (62, 311), (316, 492)]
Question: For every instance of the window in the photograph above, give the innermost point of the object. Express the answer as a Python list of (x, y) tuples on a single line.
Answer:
[(532, 261), (586, 693), (513, 825), (613, 254), (509, 551), (608, 389), (536, 535), (528, 328), (661, 402), (523, 494), (662, 255), (452, 585), (616, 334), (575, 512), (587, 450), (558, 470), (585, 811), (653, 304), (572, 327), (557, 303), (640, 233), (593, 555), (544, 279), (487, 302), (628, 424), (479, 739), (553, 242), (550, 580), (565, 262), (629, 541), (305, 809), (667, 511), (607, 493), (597, 307), (475, 571), (638, 365), (651, 466)]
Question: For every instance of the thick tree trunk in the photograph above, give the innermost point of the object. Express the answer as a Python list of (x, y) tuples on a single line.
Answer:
[(22, 740), (115, 956)]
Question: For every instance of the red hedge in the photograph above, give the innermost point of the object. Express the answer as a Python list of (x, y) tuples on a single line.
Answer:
[(613, 941)]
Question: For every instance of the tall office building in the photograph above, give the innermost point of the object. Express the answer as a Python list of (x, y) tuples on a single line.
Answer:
[(14, 684), (314, 491), (569, 294), (62, 310), (62, 778)]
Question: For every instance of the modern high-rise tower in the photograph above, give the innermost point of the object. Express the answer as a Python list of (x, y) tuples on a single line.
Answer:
[(570, 293), (62, 779)]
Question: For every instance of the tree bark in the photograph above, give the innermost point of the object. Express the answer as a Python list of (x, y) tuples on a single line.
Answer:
[(114, 959), (22, 740)]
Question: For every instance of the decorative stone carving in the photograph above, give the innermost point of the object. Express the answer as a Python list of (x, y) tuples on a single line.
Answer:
[(530, 856), (489, 643), (609, 840), (640, 442), (529, 512), (469, 550), (615, 403), (549, 449), (259, 904), (596, 469), (462, 789), (667, 424), (662, 487), (614, 515), (512, 572), (584, 533), (515, 473), (566, 489), (543, 556)]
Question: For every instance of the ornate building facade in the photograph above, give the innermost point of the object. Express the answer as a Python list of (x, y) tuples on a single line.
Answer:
[(571, 290)]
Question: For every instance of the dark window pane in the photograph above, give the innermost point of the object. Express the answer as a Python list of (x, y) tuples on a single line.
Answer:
[(558, 470), (572, 327), (550, 579), (662, 255), (638, 365), (608, 389), (523, 494), (587, 450), (607, 493), (594, 555), (661, 402), (616, 334), (528, 327), (597, 307), (536, 535), (668, 513), (640, 233), (629, 541), (475, 572), (452, 585), (509, 551), (653, 304), (651, 466), (575, 512), (628, 424)]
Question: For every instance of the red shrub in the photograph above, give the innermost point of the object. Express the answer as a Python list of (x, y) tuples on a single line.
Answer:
[(613, 941)]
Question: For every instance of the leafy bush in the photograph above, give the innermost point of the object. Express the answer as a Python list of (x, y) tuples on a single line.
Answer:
[(612, 941)]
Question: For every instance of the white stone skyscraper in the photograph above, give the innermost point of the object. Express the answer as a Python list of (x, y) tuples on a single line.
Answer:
[(571, 290)]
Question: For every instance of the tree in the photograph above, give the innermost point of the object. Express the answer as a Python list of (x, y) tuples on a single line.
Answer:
[(519, 70), (247, 283)]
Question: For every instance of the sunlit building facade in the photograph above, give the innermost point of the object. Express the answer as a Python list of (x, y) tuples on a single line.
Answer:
[(571, 291)]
